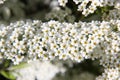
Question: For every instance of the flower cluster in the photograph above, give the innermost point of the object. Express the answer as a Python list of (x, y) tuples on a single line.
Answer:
[(32, 40), (110, 74), (89, 6)]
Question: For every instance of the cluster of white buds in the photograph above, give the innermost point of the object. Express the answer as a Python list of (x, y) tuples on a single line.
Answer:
[(2, 1), (110, 74), (89, 6), (32, 40)]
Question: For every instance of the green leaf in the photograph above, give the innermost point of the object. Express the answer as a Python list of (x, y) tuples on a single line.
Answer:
[(6, 63), (8, 75), (21, 65)]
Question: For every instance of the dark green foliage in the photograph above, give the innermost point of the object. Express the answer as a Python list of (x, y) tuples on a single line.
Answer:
[(87, 70)]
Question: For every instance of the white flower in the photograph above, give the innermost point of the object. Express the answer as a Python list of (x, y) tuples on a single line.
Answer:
[(52, 55), (17, 59), (14, 37), (74, 42), (63, 56), (63, 46), (2, 43), (62, 2), (77, 1), (84, 42), (73, 32), (53, 46), (89, 48), (3, 33)]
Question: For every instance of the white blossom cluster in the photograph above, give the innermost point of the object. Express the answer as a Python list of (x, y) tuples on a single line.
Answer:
[(110, 74), (32, 40), (89, 6), (37, 70), (2, 1)]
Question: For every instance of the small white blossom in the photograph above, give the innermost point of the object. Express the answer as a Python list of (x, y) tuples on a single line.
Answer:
[(62, 2)]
